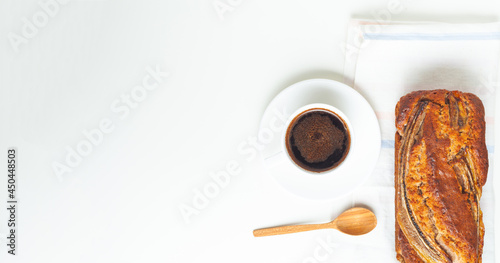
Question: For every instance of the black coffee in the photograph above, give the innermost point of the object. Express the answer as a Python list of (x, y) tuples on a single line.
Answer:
[(317, 140)]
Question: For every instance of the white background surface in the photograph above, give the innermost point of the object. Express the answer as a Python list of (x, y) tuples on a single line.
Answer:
[(121, 202)]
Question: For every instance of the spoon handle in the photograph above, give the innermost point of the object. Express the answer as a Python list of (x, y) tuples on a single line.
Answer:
[(288, 229)]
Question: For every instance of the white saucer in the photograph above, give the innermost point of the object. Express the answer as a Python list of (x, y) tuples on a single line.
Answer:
[(365, 146)]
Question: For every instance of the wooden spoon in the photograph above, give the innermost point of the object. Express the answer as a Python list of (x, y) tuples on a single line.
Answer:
[(355, 221)]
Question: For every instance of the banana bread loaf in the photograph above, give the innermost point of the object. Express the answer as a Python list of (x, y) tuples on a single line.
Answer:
[(441, 163)]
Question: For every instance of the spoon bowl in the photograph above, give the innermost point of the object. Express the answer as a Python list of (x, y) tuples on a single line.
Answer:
[(355, 221)]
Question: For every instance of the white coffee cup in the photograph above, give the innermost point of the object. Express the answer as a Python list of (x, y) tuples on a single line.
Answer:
[(285, 156)]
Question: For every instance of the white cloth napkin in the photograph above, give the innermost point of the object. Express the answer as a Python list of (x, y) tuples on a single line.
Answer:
[(386, 61)]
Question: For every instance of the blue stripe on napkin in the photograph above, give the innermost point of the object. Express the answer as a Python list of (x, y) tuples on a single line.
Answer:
[(434, 37)]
